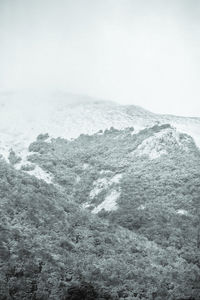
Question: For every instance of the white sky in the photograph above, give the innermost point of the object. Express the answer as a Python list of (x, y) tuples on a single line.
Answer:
[(143, 52)]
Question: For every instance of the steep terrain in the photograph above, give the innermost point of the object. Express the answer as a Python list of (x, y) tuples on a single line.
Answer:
[(23, 116), (117, 212), (141, 181), (115, 223)]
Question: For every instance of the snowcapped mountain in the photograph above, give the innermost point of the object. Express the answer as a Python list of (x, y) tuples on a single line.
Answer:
[(117, 205), (23, 116)]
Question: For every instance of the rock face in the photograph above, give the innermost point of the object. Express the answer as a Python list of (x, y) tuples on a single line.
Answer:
[(23, 116), (162, 142)]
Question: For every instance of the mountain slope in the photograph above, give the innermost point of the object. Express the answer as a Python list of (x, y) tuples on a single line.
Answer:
[(142, 181), (51, 248), (23, 116), (117, 215)]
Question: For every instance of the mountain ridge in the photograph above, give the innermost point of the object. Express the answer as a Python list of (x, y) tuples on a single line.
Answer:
[(90, 211), (23, 116)]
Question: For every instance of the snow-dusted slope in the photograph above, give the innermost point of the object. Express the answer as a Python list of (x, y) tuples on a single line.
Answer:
[(162, 142), (191, 126), (23, 116)]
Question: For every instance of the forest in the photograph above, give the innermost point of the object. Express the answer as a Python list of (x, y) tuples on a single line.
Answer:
[(54, 247)]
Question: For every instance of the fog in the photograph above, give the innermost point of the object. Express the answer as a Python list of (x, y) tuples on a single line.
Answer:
[(139, 52)]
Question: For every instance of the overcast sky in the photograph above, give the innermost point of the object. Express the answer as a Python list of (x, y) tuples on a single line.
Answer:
[(143, 52)]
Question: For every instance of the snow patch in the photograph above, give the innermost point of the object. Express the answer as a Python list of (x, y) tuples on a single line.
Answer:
[(109, 204), (85, 205), (160, 143), (103, 183), (190, 126), (105, 172), (78, 179), (85, 166), (116, 178), (182, 212), (141, 207), (40, 174), (99, 185)]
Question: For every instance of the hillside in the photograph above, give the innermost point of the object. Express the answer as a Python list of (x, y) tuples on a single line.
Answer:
[(23, 116), (131, 178), (51, 248), (98, 201)]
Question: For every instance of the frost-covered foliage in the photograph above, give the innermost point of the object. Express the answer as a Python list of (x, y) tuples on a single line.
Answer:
[(13, 158), (146, 248), (53, 249)]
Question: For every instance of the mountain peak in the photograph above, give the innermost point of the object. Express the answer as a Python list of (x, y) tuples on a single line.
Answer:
[(24, 115)]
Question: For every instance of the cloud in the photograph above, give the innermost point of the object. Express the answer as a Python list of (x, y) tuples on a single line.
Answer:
[(140, 52)]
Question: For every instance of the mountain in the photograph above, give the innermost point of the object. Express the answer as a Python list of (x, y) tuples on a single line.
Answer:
[(98, 201), (24, 115), (116, 221), (126, 175)]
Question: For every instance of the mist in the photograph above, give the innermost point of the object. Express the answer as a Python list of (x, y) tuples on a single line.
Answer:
[(145, 53)]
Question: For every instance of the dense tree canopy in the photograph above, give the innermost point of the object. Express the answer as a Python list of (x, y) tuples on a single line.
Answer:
[(148, 248)]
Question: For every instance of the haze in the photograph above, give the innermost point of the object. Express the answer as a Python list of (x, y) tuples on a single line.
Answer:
[(140, 52)]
